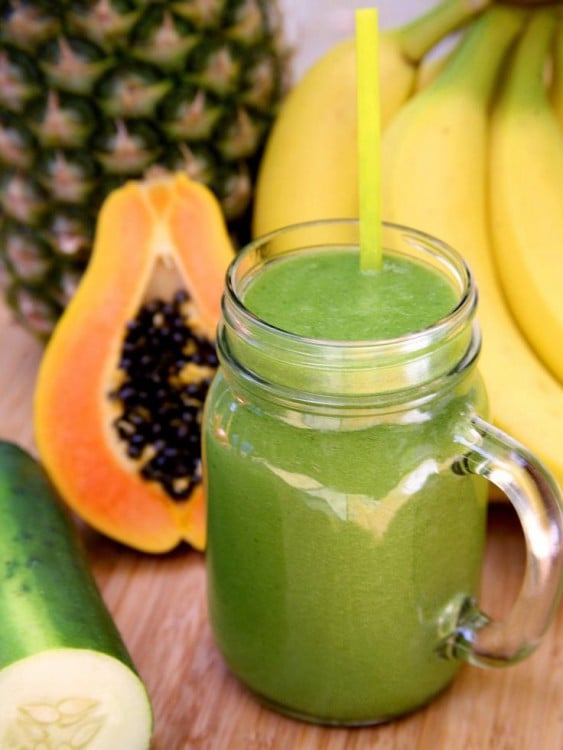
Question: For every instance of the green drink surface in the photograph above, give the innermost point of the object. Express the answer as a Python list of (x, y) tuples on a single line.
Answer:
[(324, 294)]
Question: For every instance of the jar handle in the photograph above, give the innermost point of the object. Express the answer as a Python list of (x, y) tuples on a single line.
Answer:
[(476, 638)]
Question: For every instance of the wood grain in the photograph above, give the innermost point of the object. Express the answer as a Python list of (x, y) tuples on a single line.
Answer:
[(159, 604)]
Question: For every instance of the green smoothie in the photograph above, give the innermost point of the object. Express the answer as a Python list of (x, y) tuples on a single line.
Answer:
[(339, 541)]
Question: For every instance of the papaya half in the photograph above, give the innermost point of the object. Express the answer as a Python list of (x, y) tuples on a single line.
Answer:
[(121, 384)]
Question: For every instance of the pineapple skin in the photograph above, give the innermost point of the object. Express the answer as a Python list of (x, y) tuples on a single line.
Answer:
[(97, 92)]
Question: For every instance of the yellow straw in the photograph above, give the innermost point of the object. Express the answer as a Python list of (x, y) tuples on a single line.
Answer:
[(369, 136)]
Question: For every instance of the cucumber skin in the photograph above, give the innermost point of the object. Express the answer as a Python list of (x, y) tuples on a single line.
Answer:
[(48, 596)]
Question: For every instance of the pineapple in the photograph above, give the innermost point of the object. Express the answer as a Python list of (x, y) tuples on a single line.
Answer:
[(96, 92)]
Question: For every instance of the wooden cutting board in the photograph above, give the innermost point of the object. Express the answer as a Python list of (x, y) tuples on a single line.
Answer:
[(159, 605)]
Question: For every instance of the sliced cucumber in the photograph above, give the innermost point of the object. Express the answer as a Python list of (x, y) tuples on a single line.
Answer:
[(67, 681)]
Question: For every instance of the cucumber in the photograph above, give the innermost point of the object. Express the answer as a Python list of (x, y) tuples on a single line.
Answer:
[(66, 678)]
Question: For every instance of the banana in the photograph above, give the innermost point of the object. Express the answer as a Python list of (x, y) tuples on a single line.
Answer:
[(526, 194), (434, 173), (309, 166)]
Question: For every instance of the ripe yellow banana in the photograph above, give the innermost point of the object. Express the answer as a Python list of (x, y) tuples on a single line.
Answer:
[(309, 167), (526, 194), (434, 164)]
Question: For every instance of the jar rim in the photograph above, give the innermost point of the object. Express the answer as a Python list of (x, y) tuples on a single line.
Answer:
[(325, 366), (465, 305)]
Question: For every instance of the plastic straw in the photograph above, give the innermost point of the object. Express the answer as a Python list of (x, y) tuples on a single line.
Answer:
[(369, 137)]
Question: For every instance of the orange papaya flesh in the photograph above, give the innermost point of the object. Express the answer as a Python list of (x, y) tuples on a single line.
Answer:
[(80, 419)]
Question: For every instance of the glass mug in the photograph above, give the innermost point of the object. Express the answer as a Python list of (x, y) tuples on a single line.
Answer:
[(347, 502)]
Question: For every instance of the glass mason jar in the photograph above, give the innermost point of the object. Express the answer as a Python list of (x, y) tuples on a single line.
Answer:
[(347, 501)]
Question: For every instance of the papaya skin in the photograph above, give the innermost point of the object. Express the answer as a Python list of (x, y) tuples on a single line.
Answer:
[(171, 220)]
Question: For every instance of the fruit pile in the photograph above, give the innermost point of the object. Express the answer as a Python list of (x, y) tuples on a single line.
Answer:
[(96, 92), (472, 153)]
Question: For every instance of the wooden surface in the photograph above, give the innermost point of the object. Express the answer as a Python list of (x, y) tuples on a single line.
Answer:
[(159, 605)]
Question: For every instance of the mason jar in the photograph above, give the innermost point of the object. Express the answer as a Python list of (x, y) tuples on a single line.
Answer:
[(347, 485)]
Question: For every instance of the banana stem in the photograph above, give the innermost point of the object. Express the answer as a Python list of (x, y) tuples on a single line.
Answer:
[(526, 85), (475, 64), (557, 85), (419, 36)]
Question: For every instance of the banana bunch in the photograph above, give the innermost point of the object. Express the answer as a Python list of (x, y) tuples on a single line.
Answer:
[(526, 194), (473, 155), (309, 166)]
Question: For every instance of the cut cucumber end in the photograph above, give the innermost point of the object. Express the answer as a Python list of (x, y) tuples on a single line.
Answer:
[(73, 699)]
